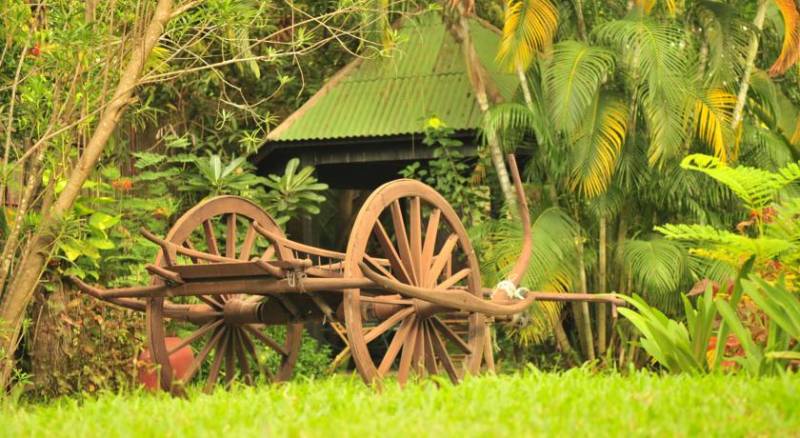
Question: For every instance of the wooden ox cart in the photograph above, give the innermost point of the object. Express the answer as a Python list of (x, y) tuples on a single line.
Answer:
[(406, 296)]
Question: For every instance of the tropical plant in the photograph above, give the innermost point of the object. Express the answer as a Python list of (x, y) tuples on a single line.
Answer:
[(449, 173), (294, 193)]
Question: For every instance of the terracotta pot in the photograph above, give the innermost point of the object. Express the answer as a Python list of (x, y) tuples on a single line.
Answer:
[(179, 360)]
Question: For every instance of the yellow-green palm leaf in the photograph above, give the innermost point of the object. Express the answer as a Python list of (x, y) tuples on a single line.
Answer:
[(712, 114), (598, 146), (529, 27)]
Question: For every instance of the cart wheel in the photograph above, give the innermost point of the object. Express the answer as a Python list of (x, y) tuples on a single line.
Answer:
[(222, 225), (413, 227)]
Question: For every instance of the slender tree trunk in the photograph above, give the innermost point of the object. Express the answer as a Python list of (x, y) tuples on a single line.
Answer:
[(18, 296), (486, 95), (523, 85), (579, 18), (602, 286), (619, 254), (752, 51), (581, 310)]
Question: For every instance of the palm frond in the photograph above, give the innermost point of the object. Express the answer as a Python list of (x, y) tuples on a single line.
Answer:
[(598, 145), (572, 80), (529, 27), (712, 114), (659, 269), (656, 54), (552, 264), (790, 51)]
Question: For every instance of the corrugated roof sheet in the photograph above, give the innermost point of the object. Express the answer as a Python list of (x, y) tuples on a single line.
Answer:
[(395, 95)]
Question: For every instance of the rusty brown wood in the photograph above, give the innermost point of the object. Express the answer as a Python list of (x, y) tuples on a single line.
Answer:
[(247, 243), (430, 358), (415, 236), (201, 218), (197, 334), (395, 260), (164, 273), (211, 238), (453, 279), (401, 236), (201, 357), (452, 298), (388, 200), (241, 357), (394, 347), (230, 237), (450, 334), (444, 357), (444, 256), (216, 364), (387, 324), (407, 356), (269, 342)]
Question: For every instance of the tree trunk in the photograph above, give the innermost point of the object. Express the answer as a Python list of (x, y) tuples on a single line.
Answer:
[(581, 310), (602, 267), (18, 296), (486, 94), (523, 85), (579, 18), (752, 51)]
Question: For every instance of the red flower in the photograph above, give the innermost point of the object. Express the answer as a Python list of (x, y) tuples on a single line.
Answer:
[(122, 184)]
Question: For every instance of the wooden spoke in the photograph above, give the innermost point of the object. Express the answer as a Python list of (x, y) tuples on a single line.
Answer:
[(211, 301), (211, 239), (443, 257), (387, 324), (430, 358), (213, 372), (379, 267), (230, 363), (241, 356), (188, 244), (247, 244), (451, 335), (417, 359), (452, 280), (441, 351), (197, 334), (230, 237), (219, 230), (394, 258), (415, 224), (402, 240), (431, 232), (201, 357), (271, 343), (394, 347), (408, 352)]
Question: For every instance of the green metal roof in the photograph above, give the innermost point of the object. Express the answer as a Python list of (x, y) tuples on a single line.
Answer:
[(395, 95)]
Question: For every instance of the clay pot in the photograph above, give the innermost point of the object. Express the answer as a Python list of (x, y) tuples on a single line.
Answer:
[(179, 360)]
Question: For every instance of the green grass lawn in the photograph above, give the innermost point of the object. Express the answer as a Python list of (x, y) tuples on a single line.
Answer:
[(528, 404)]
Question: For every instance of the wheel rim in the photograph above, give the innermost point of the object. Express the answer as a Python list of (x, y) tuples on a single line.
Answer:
[(411, 225), (222, 225)]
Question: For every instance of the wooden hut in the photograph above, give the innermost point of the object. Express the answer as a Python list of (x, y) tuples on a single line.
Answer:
[(366, 123)]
